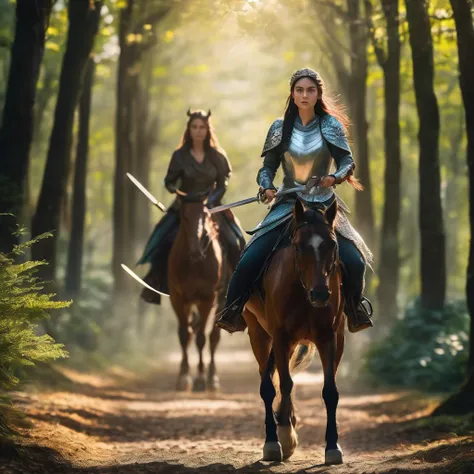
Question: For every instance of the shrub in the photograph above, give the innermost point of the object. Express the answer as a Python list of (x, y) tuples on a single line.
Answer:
[(426, 349), (22, 307)]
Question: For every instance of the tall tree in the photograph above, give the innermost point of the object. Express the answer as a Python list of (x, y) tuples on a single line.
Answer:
[(84, 19), (453, 197), (349, 59), (358, 40), (126, 127), (16, 132), (463, 401), (389, 59), (147, 136), (76, 240), (433, 259), (123, 149)]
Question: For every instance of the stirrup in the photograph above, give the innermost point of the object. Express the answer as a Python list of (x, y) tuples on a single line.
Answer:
[(366, 305), (231, 319), (358, 317)]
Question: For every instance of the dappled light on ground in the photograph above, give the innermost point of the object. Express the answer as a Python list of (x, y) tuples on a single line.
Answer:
[(119, 424)]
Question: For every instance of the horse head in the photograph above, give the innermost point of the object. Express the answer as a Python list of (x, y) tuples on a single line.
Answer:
[(315, 246), (196, 221)]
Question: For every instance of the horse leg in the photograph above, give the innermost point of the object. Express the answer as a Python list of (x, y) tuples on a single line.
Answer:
[(213, 383), (204, 308), (261, 344), (340, 338), (286, 431), (326, 344), (185, 335)]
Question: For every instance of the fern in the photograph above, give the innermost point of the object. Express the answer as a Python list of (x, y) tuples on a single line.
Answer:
[(22, 306)]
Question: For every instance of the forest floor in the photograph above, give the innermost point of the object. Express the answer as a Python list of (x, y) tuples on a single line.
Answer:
[(119, 423)]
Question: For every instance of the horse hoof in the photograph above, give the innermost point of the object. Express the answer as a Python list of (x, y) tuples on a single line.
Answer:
[(213, 384), (288, 439), (199, 384), (333, 456), (184, 383), (272, 451)]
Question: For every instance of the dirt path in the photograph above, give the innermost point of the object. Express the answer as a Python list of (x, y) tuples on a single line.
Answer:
[(112, 425)]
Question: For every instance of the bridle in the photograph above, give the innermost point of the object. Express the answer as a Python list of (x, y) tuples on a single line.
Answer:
[(298, 271), (211, 236)]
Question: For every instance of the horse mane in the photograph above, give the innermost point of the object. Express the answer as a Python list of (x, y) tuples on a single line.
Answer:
[(313, 218)]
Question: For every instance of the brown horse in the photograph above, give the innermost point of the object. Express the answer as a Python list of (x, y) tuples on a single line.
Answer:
[(303, 307), (195, 271)]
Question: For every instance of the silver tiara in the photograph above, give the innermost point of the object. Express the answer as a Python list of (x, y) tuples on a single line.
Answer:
[(305, 72)]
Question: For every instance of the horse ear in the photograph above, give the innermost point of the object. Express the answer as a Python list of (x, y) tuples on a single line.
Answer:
[(299, 211), (188, 113), (330, 214), (209, 113)]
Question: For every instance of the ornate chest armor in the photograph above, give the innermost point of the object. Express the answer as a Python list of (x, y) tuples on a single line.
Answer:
[(311, 151), (307, 155)]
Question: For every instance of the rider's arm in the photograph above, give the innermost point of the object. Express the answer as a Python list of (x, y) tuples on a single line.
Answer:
[(344, 163), (224, 170), (266, 174), (175, 170)]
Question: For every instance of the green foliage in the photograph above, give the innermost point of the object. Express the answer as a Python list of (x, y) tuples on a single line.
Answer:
[(82, 325), (22, 306), (426, 349)]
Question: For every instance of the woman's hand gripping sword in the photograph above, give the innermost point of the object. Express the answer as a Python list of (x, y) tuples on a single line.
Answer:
[(314, 181)]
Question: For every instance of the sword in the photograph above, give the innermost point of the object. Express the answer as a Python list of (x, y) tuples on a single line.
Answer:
[(147, 193), (136, 277), (257, 198)]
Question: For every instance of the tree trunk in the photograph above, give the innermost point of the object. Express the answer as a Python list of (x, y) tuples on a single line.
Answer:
[(463, 401), (83, 26), (147, 136), (76, 240), (44, 97), (133, 194), (433, 259), (123, 152), (335, 54), (454, 196), (143, 163), (389, 246), (16, 133), (358, 37), (352, 81)]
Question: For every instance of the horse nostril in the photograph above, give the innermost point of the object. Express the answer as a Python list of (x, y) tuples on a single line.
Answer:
[(319, 295)]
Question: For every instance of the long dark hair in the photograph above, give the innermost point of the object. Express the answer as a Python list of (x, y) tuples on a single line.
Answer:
[(211, 143), (325, 105)]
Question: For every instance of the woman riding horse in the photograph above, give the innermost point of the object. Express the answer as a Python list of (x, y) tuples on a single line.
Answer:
[(311, 134), (198, 166)]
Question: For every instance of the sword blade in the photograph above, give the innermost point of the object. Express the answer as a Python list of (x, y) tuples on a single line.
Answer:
[(243, 202), (147, 193), (224, 207), (136, 277)]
